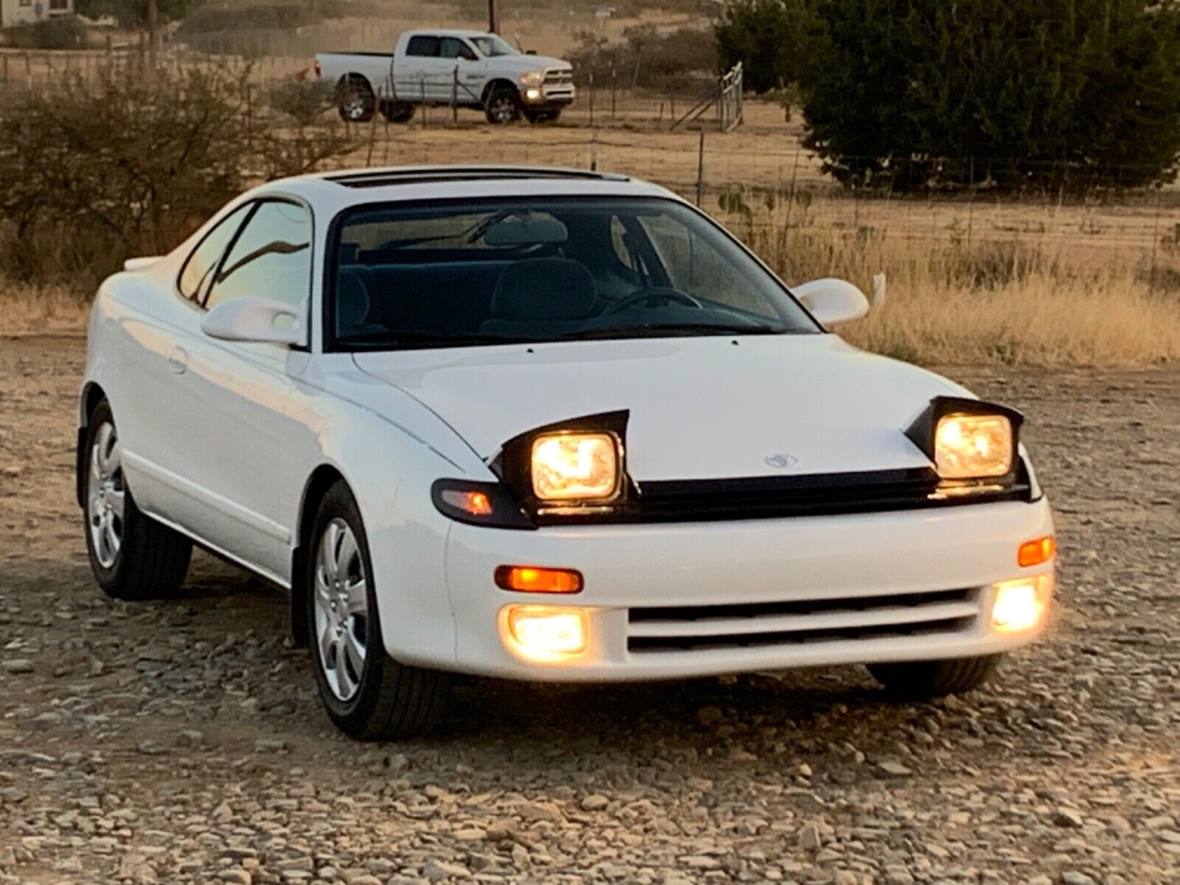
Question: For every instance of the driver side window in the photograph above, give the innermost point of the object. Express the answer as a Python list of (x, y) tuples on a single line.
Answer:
[(271, 257)]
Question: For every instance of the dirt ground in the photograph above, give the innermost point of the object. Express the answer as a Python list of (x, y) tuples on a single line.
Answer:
[(183, 741)]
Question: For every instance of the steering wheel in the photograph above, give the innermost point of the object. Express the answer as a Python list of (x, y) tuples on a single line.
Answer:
[(652, 297)]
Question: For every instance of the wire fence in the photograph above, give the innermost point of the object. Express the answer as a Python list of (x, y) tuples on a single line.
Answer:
[(757, 173)]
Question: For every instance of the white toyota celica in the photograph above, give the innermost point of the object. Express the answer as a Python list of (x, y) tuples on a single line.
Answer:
[(547, 425)]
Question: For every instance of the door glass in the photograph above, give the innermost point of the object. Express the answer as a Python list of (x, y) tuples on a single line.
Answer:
[(423, 47), (198, 269), (271, 258), (453, 47)]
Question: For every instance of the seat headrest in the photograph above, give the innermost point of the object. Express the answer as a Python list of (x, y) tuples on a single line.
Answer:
[(353, 301), (543, 289)]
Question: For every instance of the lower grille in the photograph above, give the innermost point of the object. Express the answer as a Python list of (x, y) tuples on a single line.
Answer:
[(795, 622)]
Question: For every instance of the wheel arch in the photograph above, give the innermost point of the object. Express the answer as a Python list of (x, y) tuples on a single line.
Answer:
[(353, 77), (493, 85), (92, 395), (321, 479)]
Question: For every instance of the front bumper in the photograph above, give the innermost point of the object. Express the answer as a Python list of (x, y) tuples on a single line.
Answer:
[(548, 96), (678, 600)]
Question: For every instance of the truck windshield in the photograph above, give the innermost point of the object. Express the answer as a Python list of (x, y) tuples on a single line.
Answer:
[(470, 273), (492, 46)]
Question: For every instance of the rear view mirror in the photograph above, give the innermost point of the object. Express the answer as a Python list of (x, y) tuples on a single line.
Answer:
[(832, 301), (256, 319)]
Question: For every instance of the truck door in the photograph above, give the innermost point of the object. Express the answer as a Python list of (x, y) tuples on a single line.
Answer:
[(418, 77)]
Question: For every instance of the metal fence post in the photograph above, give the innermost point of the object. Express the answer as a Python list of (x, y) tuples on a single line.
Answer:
[(701, 168)]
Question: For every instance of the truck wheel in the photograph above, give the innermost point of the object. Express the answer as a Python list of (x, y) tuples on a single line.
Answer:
[(502, 106), (355, 99), (367, 694), (397, 111), (133, 557), (922, 680)]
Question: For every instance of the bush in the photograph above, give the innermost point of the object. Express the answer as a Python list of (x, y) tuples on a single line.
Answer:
[(769, 37), (1060, 93), (94, 171), (50, 33), (304, 101), (646, 57), (133, 13)]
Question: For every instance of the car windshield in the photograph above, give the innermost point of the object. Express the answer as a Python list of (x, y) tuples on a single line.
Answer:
[(492, 46), (472, 273)]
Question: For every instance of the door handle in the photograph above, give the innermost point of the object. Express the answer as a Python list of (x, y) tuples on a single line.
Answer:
[(178, 360)]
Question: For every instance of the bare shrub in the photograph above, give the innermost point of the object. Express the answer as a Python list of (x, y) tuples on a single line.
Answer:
[(129, 162), (53, 33), (647, 57), (304, 101)]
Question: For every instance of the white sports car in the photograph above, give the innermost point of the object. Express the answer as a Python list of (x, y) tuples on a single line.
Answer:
[(547, 425)]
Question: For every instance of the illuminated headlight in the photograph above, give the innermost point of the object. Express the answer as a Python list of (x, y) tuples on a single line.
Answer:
[(973, 446), (575, 467), (532, 94), (532, 78), (1022, 604)]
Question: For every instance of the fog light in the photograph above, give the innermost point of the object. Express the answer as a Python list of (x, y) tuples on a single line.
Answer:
[(532, 94), (1021, 605), (547, 633)]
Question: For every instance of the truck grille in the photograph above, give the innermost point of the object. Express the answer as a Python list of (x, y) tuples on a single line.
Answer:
[(559, 77), (665, 629)]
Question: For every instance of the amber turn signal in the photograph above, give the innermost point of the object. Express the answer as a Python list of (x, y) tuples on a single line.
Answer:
[(1036, 552), (532, 579), (472, 502)]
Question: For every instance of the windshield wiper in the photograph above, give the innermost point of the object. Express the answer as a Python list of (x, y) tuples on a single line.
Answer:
[(410, 338), (643, 330)]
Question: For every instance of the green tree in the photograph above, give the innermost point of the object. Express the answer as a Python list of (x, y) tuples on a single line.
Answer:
[(769, 38), (1060, 93)]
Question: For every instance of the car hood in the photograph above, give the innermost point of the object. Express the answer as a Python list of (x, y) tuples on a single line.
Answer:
[(524, 63), (711, 407)]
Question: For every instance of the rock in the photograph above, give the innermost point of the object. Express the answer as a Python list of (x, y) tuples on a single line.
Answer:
[(18, 665), (1073, 877), (709, 715), (438, 871), (1064, 816), (809, 838), (594, 802), (894, 769)]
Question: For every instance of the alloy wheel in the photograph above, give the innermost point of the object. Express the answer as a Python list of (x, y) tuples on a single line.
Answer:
[(341, 609), (106, 496)]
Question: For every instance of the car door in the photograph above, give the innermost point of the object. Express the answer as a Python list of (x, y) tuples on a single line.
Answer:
[(239, 398), (463, 74), (419, 77)]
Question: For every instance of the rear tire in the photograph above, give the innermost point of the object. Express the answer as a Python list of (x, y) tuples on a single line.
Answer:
[(397, 111), (367, 694), (502, 106), (924, 680), (355, 100), (133, 557)]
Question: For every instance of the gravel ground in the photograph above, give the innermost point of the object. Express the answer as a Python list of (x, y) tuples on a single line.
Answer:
[(182, 741)]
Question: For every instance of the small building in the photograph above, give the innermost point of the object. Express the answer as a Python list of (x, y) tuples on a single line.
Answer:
[(26, 12)]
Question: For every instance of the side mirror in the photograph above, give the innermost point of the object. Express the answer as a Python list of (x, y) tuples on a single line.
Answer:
[(255, 319), (832, 301)]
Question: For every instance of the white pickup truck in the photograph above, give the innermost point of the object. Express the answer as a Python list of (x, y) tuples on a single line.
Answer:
[(454, 68)]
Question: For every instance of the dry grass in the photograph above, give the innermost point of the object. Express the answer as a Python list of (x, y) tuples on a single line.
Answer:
[(28, 310)]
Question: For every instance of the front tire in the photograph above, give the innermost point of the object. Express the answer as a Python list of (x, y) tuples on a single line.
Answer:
[(502, 106), (133, 557), (368, 695), (925, 680)]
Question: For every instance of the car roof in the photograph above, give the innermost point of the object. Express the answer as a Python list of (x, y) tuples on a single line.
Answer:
[(330, 192)]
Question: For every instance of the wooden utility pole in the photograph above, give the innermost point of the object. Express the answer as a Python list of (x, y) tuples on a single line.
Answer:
[(153, 23), (493, 17)]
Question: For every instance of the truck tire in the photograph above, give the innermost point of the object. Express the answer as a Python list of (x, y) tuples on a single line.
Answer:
[(923, 680), (502, 106), (397, 111), (355, 99)]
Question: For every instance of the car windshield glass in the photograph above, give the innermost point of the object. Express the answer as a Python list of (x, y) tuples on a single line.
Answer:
[(479, 273), (492, 46)]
